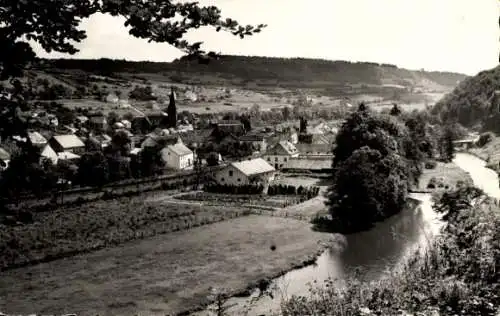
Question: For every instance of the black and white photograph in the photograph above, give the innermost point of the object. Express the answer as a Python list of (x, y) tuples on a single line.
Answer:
[(249, 158)]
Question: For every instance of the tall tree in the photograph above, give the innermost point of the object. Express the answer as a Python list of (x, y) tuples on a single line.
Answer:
[(447, 147), (395, 111), (372, 173), (172, 110), (303, 126)]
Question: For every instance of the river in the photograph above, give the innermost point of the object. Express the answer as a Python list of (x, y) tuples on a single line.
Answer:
[(373, 253)]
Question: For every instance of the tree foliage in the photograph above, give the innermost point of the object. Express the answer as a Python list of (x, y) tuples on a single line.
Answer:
[(54, 25), (373, 170), (474, 102)]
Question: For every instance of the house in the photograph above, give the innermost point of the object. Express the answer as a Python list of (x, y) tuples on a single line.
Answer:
[(112, 98), (55, 157), (49, 153), (69, 143), (280, 153), (159, 141), (254, 171), (308, 165), (102, 139), (178, 156), (225, 127), (126, 123), (258, 141), (293, 136), (81, 120), (36, 139), (98, 122), (67, 156), (4, 159), (314, 139)]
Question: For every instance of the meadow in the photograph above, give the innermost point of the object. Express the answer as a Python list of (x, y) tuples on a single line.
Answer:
[(165, 274)]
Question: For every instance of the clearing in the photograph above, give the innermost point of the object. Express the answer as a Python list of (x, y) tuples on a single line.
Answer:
[(446, 174), (165, 274)]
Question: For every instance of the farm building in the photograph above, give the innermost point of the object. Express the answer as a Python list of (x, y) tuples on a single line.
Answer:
[(178, 156), (254, 171), (314, 149), (280, 153), (308, 165), (69, 143)]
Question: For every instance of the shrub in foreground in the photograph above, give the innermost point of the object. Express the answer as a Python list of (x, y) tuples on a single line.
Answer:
[(458, 273)]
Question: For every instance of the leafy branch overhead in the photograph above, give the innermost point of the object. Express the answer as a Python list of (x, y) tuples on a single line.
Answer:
[(54, 25)]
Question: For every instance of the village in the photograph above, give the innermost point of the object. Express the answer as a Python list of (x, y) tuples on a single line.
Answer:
[(180, 143)]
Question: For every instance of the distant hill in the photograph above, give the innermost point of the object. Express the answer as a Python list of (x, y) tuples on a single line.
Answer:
[(267, 72), (474, 103)]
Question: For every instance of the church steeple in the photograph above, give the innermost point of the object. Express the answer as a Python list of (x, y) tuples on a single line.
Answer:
[(172, 110)]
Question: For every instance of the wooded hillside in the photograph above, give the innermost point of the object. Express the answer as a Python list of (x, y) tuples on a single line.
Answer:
[(268, 71), (474, 103)]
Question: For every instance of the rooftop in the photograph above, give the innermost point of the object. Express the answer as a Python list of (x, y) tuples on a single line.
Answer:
[(180, 149), (253, 166), (69, 141)]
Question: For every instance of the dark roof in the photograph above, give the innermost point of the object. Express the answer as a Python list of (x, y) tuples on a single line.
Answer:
[(314, 148), (308, 164)]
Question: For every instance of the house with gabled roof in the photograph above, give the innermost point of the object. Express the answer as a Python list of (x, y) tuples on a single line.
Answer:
[(280, 153), (69, 143), (178, 156), (36, 139), (256, 140), (253, 171)]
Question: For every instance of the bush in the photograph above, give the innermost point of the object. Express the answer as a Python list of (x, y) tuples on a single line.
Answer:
[(430, 164), (484, 139)]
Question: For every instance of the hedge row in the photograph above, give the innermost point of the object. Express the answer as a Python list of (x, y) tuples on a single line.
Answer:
[(106, 194), (234, 189), (69, 231), (282, 189)]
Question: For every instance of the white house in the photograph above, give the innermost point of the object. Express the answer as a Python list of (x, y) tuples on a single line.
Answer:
[(254, 171), (178, 156), (112, 98), (37, 139), (279, 154)]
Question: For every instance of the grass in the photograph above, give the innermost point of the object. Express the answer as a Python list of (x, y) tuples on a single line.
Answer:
[(457, 275), (447, 174), (71, 230), (165, 274)]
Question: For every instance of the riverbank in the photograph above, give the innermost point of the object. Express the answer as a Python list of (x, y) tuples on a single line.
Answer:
[(166, 274), (457, 275)]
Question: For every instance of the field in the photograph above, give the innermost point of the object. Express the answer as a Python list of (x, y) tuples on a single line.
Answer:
[(163, 274), (71, 230), (446, 174)]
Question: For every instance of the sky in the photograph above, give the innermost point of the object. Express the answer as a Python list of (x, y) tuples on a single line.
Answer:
[(443, 35)]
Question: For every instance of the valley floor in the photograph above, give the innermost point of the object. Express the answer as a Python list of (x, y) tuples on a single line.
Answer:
[(164, 274)]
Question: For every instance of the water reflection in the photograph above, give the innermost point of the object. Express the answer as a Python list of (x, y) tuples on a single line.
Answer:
[(371, 252)]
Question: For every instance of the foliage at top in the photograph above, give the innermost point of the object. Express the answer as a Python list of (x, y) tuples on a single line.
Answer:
[(54, 25), (474, 103)]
